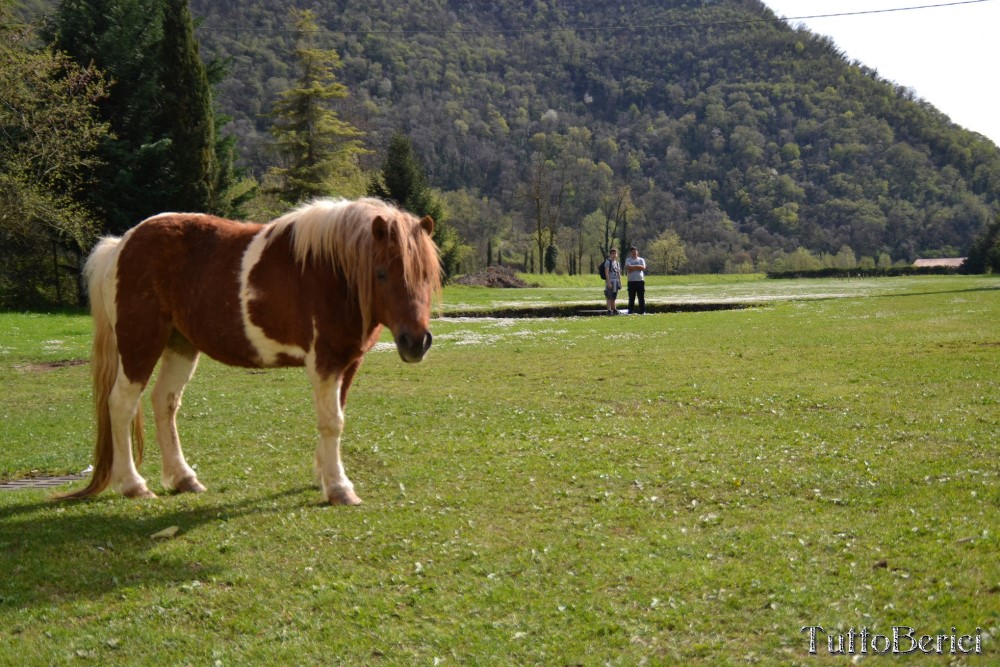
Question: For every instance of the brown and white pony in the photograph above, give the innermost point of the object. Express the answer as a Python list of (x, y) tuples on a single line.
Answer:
[(313, 288)]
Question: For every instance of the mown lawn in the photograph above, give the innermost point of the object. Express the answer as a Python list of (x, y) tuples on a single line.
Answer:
[(670, 489)]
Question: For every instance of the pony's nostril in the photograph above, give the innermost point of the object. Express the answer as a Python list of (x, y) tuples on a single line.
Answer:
[(428, 339)]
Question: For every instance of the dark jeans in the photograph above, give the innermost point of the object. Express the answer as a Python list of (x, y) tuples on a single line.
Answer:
[(636, 289)]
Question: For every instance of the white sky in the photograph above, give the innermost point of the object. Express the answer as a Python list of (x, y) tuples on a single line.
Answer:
[(948, 55)]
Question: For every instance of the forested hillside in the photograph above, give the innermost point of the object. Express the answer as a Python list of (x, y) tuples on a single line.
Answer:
[(744, 135), (579, 123)]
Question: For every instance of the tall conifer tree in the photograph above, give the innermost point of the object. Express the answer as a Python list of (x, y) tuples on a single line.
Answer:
[(164, 154), (402, 180), (190, 123), (318, 148)]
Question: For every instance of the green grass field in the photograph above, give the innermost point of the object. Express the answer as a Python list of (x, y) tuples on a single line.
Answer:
[(676, 489)]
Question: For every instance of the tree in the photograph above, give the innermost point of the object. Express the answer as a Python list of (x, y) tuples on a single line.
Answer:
[(121, 38), (545, 192), (320, 150), (48, 136), (480, 223), (799, 260), (666, 254), (163, 152), (984, 255), (845, 259), (615, 208), (402, 180), (190, 122), (551, 258), (625, 239)]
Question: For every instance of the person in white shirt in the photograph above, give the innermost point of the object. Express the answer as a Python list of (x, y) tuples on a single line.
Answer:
[(636, 268)]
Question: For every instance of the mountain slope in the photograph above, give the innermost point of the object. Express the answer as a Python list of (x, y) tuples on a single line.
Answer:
[(746, 136)]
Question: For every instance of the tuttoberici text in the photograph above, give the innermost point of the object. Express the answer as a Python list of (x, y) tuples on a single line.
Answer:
[(901, 640)]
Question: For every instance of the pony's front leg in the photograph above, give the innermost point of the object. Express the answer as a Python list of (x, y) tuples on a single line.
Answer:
[(337, 488)]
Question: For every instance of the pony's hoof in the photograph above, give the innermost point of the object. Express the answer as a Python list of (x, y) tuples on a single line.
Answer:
[(189, 485), (139, 492), (342, 497)]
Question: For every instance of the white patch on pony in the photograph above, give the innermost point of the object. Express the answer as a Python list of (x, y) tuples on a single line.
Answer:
[(268, 350)]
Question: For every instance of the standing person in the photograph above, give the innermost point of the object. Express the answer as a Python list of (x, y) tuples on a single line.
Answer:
[(612, 281), (636, 268)]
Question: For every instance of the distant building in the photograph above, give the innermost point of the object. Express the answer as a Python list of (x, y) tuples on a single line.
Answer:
[(953, 262)]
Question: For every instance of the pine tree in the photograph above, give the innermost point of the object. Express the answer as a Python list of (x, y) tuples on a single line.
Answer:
[(188, 111), (320, 149), (402, 180), (159, 109)]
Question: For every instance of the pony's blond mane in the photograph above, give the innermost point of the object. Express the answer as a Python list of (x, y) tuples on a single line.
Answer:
[(338, 233)]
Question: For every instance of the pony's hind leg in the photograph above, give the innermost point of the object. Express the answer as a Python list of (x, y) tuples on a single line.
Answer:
[(177, 365), (140, 344), (123, 406)]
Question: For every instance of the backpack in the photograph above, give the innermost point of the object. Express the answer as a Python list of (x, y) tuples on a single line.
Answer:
[(602, 270)]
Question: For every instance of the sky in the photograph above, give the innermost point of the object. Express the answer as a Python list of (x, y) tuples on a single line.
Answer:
[(948, 55)]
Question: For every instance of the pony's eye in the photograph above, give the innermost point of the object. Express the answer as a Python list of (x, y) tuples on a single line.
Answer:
[(381, 275)]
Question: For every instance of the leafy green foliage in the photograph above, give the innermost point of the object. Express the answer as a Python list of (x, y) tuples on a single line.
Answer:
[(111, 124), (985, 253), (747, 137), (48, 137), (666, 254), (122, 39), (551, 258)]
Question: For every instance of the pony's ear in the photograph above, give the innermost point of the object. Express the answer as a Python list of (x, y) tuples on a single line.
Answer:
[(380, 229), (427, 224)]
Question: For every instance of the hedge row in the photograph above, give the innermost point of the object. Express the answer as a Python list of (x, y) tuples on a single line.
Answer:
[(868, 273)]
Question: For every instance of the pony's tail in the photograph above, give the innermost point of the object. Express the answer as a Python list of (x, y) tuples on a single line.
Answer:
[(103, 368)]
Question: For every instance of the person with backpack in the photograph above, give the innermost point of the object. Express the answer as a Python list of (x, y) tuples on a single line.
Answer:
[(636, 268), (611, 271)]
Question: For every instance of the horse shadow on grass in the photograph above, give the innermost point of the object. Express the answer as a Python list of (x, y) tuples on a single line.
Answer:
[(52, 552)]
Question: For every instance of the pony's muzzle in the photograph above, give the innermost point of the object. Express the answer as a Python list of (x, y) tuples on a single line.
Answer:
[(412, 348)]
